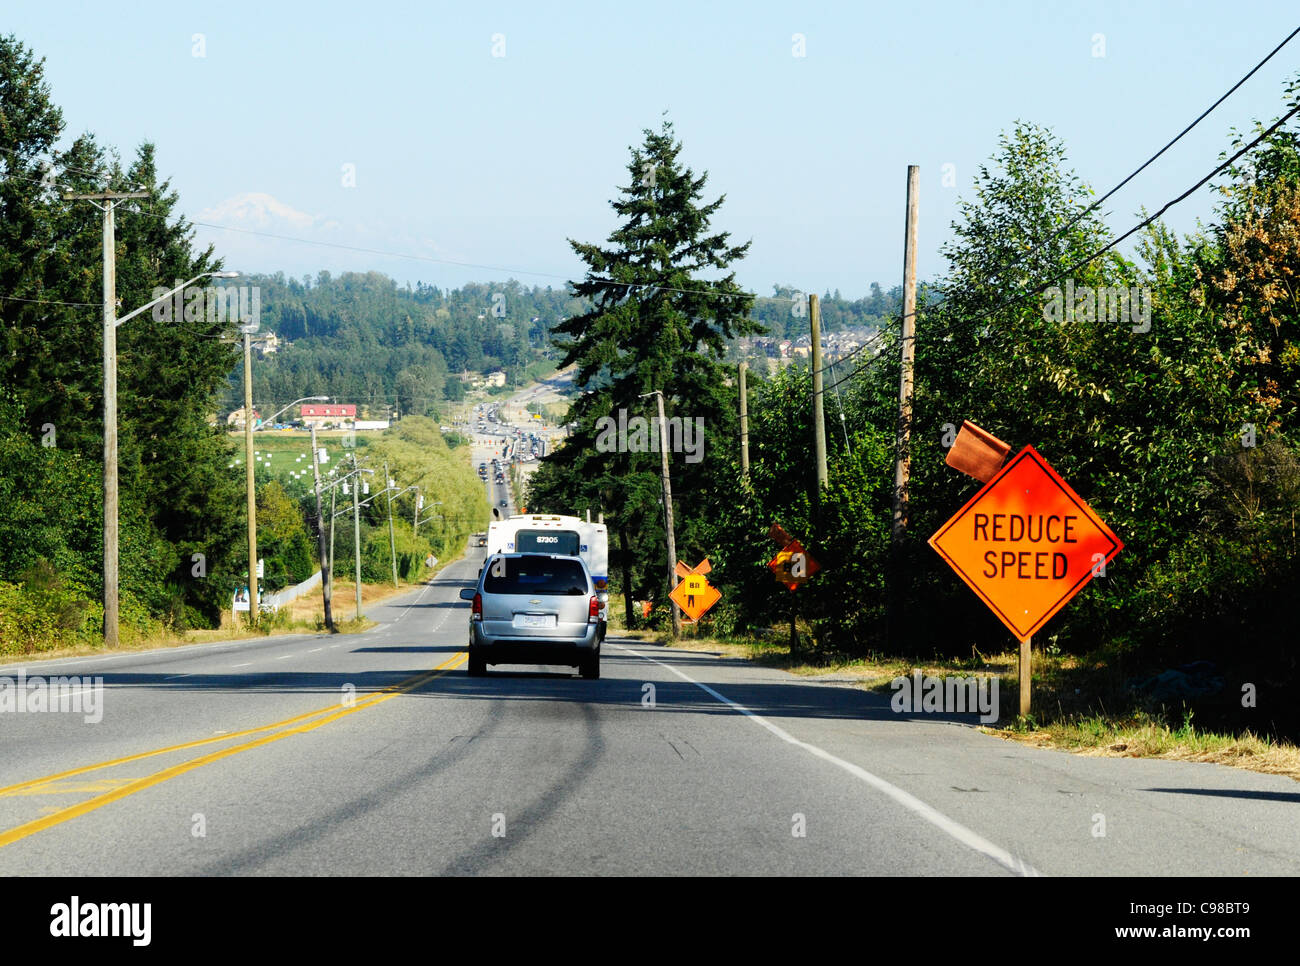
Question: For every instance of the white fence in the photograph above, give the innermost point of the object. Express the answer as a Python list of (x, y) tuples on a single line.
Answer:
[(273, 602)]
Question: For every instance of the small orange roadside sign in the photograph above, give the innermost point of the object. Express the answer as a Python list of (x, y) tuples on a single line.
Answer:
[(1026, 543), (693, 593), (792, 565)]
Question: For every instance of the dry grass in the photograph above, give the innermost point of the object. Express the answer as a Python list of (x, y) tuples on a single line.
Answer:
[(1147, 738), (305, 615), (310, 608)]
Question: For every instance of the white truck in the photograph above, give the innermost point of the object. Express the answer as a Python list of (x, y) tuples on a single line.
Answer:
[(548, 533)]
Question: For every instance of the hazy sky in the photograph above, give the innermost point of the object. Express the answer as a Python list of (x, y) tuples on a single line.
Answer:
[(462, 155)]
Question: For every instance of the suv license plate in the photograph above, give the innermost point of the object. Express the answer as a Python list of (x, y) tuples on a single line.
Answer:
[(534, 620)]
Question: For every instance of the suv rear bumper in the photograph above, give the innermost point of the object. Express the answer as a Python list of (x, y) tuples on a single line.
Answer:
[(535, 650)]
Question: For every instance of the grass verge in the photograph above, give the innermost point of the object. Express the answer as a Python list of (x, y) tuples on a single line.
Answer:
[(305, 615)]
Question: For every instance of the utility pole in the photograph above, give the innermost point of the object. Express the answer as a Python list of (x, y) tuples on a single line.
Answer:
[(819, 416), (903, 467), (248, 458), (356, 530), (326, 566), (744, 424), (334, 492), (903, 455), (110, 401), (392, 540), (668, 511)]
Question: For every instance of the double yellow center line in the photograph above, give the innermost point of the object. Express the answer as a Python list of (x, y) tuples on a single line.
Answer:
[(298, 724)]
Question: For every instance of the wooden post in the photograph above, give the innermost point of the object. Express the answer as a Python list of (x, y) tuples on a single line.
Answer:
[(356, 531), (251, 494), (819, 418), (111, 602), (111, 596), (1026, 673), (392, 540), (326, 566), (744, 424), (903, 466), (897, 591), (668, 514)]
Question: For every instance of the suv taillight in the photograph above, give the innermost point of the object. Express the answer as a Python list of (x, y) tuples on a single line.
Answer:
[(593, 610), (476, 608)]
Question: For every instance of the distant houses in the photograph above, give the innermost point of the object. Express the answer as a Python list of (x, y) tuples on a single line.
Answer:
[(333, 416), (265, 345), (237, 420), (835, 345), (495, 378)]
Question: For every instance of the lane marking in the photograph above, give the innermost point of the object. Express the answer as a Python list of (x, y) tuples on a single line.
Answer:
[(285, 657), (74, 811), (183, 651), (187, 674), (314, 650), (219, 736), (245, 664), (69, 788), (157, 778), (961, 833)]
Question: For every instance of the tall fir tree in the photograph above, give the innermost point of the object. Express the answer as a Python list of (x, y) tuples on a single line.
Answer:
[(663, 305)]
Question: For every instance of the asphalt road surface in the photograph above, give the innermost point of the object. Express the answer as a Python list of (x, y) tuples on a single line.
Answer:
[(376, 754)]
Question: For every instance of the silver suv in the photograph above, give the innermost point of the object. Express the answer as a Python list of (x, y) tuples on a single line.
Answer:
[(534, 608)]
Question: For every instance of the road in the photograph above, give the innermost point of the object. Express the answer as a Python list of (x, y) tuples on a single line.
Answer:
[(511, 415), (376, 754)]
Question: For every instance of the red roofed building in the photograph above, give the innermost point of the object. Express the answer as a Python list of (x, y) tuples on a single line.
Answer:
[(322, 414)]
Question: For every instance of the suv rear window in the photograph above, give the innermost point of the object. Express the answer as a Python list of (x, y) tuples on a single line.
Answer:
[(536, 575)]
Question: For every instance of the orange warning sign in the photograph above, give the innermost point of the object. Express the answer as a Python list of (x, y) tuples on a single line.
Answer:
[(1026, 543), (792, 565), (693, 593)]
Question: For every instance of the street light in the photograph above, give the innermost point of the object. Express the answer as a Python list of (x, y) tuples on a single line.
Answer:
[(110, 420), (270, 420), (419, 505), (253, 592), (167, 295), (357, 503)]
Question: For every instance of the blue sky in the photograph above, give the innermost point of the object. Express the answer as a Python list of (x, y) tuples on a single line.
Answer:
[(462, 156)]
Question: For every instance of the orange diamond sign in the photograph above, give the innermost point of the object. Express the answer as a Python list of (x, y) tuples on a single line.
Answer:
[(693, 593), (1026, 543), (793, 565)]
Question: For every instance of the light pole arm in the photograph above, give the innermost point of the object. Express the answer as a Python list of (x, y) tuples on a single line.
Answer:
[(163, 298), (270, 420)]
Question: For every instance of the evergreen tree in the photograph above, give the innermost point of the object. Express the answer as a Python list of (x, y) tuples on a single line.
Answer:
[(662, 306)]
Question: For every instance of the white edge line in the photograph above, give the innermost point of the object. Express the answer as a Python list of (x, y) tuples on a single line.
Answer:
[(961, 833), (185, 650)]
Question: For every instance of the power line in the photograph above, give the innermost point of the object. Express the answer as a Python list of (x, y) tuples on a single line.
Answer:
[(1100, 201), (15, 298), (965, 325), (98, 175), (1139, 226)]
